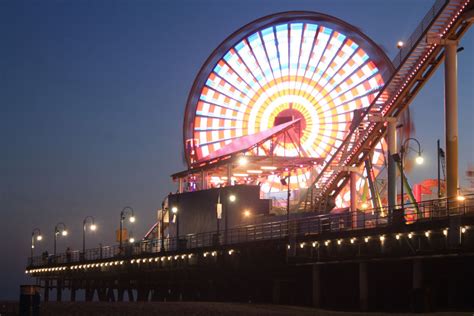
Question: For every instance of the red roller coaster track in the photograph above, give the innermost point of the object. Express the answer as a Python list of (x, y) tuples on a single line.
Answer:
[(414, 65)]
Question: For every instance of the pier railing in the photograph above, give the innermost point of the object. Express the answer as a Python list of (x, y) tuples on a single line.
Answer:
[(316, 225)]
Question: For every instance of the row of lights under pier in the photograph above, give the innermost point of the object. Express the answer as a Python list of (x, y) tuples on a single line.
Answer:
[(382, 238), (205, 254)]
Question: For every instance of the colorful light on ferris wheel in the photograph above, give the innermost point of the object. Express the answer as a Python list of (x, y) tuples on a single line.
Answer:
[(310, 67)]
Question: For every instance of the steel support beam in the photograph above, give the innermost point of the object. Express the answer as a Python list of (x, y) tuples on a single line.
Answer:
[(392, 167), (353, 182), (451, 117)]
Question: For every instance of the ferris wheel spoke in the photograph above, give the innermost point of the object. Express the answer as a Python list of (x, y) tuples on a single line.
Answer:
[(358, 100), (342, 84)]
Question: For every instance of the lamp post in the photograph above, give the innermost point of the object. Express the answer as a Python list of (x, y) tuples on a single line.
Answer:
[(36, 232), (92, 227), (218, 215), (127, 210), (400, 159), (174, 210), (60, 228)]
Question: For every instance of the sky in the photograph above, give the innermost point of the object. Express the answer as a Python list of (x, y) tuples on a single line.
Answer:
[(92, 99)]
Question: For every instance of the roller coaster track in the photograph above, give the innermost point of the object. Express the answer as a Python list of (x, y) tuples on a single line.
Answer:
[(414, 65)]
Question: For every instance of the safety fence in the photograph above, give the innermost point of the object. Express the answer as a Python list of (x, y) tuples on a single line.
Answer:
[(311, 225)]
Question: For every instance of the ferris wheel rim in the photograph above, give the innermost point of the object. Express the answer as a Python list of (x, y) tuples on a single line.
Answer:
[(366, 43)]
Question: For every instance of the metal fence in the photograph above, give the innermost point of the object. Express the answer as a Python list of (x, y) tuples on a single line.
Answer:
[(312, 225), (421, 29)]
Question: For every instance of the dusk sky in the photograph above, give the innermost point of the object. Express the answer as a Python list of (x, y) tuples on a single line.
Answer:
[(93, 95)]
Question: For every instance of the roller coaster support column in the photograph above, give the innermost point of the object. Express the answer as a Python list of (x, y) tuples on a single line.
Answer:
[(451, 128), (450, 112), (354, 199), (353, 180), (451, 116), (392, 166)]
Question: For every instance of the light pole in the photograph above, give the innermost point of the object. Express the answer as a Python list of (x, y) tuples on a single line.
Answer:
[(218, 215), (127, 210), (36, 232), (60, 228), (400, 159), (174, 210), (92, 227)]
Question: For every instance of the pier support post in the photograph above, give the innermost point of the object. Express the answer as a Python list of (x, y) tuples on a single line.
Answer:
[(101, 293), (130, 295), (89, 294), (46, 291), (417, 274), (363, 287), (142, 294), (419, 296), (59, 291), (73, 294), (120, 292), (155, 295), (316, 286), (276, 292), (110, 294)]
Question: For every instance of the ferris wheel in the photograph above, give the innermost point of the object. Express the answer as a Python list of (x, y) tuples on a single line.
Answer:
[(302, 66)]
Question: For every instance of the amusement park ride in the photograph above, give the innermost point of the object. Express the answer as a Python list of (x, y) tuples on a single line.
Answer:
[(306, 107), (290, 138)]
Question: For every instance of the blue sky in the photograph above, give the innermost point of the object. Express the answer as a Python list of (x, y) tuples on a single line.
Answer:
[(93, 96)]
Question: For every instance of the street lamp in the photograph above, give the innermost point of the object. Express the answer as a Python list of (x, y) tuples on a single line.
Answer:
[(92, 227), (400, 158), (36, 232), (131, 217), (174, 210), (60, 228)]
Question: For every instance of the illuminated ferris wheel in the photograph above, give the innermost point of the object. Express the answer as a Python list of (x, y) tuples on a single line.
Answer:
[(302, 66)]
